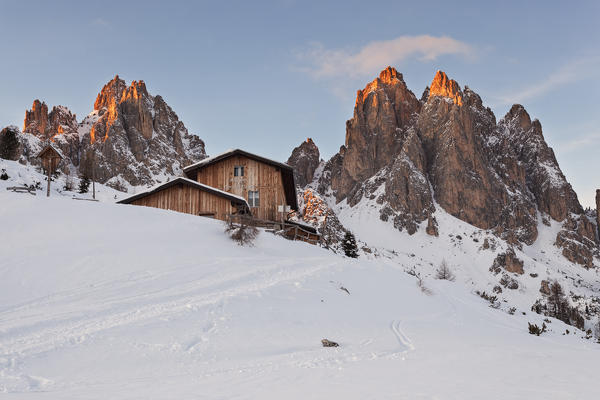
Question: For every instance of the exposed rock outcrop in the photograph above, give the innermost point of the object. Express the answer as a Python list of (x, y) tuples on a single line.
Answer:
[(577, 238), (444, 87), (404, 155), (47, 125), (432, 227), (522, 140), (305, 159), (598, 211), (315, 211), (10, 146), (545, 287), (136, 136), (384, 110), (130, 135), (509, 262)]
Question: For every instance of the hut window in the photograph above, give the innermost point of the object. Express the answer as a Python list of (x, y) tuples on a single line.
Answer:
[(238, 170), (253, 199)]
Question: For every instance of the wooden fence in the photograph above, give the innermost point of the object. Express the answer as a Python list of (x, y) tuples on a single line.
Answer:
[(286, 229)]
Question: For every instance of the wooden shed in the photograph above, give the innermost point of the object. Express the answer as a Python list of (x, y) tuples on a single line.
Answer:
[(265, 184), (187, 196), (50, 157)]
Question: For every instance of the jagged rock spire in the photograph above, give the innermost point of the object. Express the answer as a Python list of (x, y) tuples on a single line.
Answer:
[(445, 87), (305, 160), (598, 211)]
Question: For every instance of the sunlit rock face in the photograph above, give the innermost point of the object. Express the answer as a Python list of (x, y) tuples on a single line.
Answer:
[(136, 136), (384, 110), (130, 135), (442, 86), (59, 126), (405, 155), (47, 125), (36, 119)]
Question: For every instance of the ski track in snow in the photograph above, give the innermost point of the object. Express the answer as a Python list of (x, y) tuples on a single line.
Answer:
[(46, 332), (404, 341), (208, 319)]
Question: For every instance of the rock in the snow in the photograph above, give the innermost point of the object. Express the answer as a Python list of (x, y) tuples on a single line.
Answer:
[(329, 343), (509, 262), (545, 287), (432, 227), (577, 239)]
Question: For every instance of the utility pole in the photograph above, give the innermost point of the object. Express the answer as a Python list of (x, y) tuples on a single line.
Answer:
[(94, 174), (48, 191)]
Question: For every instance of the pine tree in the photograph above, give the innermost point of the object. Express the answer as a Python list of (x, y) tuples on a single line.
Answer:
[(349, 245), (84, 184), (9, 144)]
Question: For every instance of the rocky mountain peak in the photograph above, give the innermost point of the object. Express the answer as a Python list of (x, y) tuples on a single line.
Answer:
[(305, 159), (384, 109), (444, 87), (36, 119), (519, 115), (62, 120), (130, 136), (405, 157), (47, 125), (388, 77), (110, 94), (132, 124), (135, 91)]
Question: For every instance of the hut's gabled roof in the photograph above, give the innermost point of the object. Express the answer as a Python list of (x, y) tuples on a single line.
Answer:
[(188, 182), (50, 147), (287, 172)]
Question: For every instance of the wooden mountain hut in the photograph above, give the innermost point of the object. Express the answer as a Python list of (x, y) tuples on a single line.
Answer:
[(232, 183)]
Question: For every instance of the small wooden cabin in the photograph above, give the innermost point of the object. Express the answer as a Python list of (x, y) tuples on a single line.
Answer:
[(187, 196), (233, 183), (264, 183), (50, 157)]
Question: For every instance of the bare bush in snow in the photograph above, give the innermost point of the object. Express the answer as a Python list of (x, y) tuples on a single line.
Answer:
[(444, 272), (242, 233), (421, 285)]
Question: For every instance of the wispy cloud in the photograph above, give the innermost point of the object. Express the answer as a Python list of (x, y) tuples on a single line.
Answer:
[(591, 139), (101, 22), (574, 71), (321, 62)]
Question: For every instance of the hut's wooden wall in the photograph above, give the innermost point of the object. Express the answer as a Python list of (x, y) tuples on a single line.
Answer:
[(257, 176), (187, 199)]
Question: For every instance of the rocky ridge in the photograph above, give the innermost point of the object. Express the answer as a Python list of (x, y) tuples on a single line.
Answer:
[(598, 211), (305, 159), (131, 137), (406, 157)]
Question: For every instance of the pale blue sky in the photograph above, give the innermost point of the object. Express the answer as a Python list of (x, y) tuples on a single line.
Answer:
[(263, 76)]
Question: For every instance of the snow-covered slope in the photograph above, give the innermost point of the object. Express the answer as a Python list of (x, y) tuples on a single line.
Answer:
[(461, 245), (105, 301)]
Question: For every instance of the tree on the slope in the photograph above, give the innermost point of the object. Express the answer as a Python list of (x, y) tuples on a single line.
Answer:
[(444, 272), (9, 144), (349, 245), (84, 184), (557, 303)]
